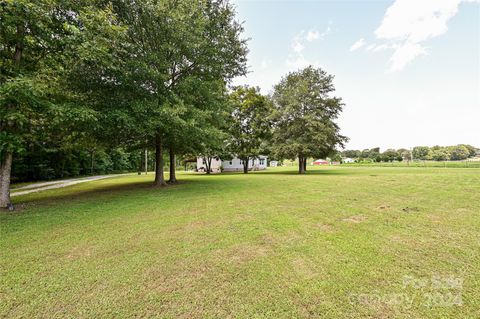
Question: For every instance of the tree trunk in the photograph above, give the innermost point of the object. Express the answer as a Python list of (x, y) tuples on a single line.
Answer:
[(92, 161), (301, 167), (146, 161), (304, 164), (245, 165), (208, 164), (140, 165), (5, 171), (173, 178), (159, 176), (6, 162)]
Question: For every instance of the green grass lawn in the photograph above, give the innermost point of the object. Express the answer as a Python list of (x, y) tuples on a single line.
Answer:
[(339, 242), (447, 164)]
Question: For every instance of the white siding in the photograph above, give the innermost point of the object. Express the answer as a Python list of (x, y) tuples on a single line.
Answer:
[(216, 163), (235, 164)]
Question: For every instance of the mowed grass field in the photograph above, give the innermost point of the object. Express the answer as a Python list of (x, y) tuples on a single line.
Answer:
[(447, 164), (338, 242)]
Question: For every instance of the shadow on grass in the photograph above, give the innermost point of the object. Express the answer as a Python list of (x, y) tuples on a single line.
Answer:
[(55, 207), (292, 171), (111, 188), (308, 172), (88, 191)]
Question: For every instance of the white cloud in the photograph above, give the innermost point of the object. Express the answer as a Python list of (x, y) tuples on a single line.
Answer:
[(298, 60), (380, 47), (313, 35), (297, 45), (327, 32), (407, 24), (298, 42), (405, 53), (265, 63), (416, 21), (357, 45)]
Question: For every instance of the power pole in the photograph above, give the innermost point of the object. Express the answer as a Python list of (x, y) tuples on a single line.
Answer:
[(146, 161)]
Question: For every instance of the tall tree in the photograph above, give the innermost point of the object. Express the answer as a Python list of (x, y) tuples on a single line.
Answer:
[(142, 85), (472, 151), (249, 123), (304, 116), (458, 152), (203, 119), (35, 40), (352, 153), (390, 155), (405, 154), (420, 152), (170, 42)]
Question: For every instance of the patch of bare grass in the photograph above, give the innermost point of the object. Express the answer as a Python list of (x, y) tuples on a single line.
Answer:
[(356, 219)]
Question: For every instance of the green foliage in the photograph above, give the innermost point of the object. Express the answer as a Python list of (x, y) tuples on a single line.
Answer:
[(78, 76), (161, 80), (39, 43), (351, 153), (459, 152), (336, 157), (46, 162), (249, 124), (472, 151), (304, 115), (420, 152), (390, 155), (23, 110), (437, 153)]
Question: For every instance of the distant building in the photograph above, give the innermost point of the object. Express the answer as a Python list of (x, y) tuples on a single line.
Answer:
[(320, 162), (214, 166), (273, 163), (233, 165), (348, 160)]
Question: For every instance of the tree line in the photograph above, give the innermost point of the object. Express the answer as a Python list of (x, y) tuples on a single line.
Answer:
[(47, 162), (435, 153), (100, 81)]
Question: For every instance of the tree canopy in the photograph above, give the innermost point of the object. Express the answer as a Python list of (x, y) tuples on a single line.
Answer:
[(91, 86), (249, 123), (304, 116), (136, 74), (37, 40)]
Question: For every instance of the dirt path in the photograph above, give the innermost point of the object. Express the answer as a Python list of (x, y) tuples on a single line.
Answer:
[(37, 187)]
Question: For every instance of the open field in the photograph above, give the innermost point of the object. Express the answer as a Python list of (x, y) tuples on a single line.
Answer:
[(421, 164), (444, 164), (339, 242)]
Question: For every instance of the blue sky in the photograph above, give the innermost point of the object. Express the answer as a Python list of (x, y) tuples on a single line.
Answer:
[(407, 70)]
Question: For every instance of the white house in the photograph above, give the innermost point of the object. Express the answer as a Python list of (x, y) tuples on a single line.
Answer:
[(215, 166), (273, 163), (348, 160), (233, 165)]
